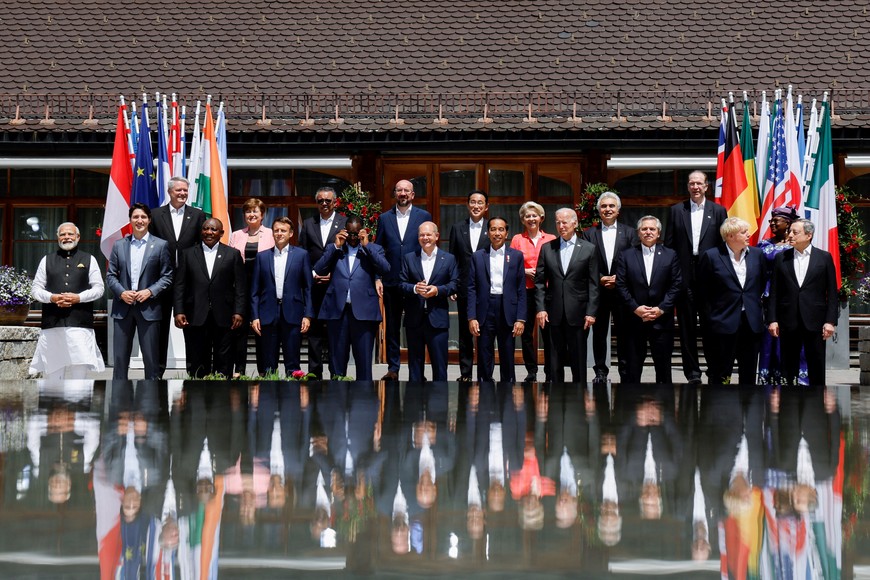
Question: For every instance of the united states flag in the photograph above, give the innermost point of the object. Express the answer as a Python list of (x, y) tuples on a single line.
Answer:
[(781, 187)]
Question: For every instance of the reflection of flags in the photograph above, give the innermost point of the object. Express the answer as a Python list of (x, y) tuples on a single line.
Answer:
[(144, 184), (107, 500), (163, 170), (821, 205), (720, 152), (116, 222)]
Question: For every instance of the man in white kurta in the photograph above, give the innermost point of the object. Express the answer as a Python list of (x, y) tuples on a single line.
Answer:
[(67, 282)]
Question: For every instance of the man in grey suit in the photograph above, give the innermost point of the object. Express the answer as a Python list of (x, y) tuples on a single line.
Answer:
[(567, 294), (139, 271)]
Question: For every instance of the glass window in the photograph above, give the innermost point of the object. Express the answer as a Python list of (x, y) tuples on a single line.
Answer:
[(90, 183), (41, 182), (248, 183), (506, 183), (457, 182), (35, 234), (308, 182), (551, 187)]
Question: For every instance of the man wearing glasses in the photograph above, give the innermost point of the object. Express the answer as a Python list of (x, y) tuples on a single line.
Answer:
[(316, 234)]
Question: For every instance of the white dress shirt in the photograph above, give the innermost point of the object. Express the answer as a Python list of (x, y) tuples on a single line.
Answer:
[(428, 263), (402, 220), (325, 227), (137, 254), (697, 215), (739, 263), (566, 250), (648, 258), (474, 230), (279, 262), (177, 216), (210, 256), (801, 263), (608, 238), (496, 270)]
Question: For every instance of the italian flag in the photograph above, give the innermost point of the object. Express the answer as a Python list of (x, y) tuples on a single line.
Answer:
[(821, 198)]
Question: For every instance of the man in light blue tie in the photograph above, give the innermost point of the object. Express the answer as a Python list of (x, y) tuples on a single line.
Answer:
[(567, 293)]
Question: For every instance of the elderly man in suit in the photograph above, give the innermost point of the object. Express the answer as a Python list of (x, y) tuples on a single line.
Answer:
[(648, 280), (567, 294), (803, 303), (140, 269), (610, 238), (179, 224), (692, 230), (211, 296), (497, 302), (316, 234), (397, 229), (350, 306), (429, 277), (281, 309), (466, 237), (731, 280)]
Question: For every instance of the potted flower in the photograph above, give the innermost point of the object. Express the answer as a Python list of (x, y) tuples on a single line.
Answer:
[(15, 298)]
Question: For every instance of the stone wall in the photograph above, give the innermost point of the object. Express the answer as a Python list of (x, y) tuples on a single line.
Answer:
[(17, 345)]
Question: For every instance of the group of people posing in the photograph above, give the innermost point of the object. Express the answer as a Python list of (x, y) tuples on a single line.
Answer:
[(778, 300)]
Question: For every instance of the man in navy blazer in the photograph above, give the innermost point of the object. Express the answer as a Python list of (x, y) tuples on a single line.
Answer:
[(315, 235), (429, 277), (211, 296), (497, 302), (180, 225), (649, 281), (803, 303), (610, 238), (731, 280), (397, 233), (281, 308), (139, 270), (466, 237), (566, 292), (350, 306), (692, 230)]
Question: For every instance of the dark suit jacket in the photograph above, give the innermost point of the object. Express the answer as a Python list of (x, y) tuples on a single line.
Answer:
[(574, 293), (445, 275), (809, 306), (191, 227), (370, 263), (679, 233), (662, 291), (723, 299), (156, 275), (626, 237), (309, 235), (224, 294), (513, 286), (460, 247), (394, 247), (296, 302)]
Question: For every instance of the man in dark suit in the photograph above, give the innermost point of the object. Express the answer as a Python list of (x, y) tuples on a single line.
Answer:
[(211, 295), (281, 309), (731, 280), (610, 238), (397, 234), (803, 303), (180, 225), (497, 305), (350, 306), (692, 230), (139, 270), (315, 235), (429, 277), (567, 294), (648, 281), (466, 237)]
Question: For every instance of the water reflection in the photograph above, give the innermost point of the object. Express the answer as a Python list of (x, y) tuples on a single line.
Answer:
[(189, 479)]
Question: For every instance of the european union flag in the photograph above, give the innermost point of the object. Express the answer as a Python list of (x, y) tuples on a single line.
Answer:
[(144, 182)]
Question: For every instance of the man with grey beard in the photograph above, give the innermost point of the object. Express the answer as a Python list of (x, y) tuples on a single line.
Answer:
[(67, 282)]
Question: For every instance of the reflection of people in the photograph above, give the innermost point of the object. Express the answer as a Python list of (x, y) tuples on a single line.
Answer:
[(610, 238), (350, 306), (281, 307), (496, 302), (429, 276), (397, 234), (139, 270), (693, 229), (179, 224), (315, 234), (210, 300), (566, 283), (803, 303), (466, 237), (529, 242), (67, 282)]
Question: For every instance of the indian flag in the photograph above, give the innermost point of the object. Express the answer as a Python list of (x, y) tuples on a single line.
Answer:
[(211, 189)]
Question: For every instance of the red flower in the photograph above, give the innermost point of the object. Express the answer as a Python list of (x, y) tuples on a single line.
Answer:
[(350, 207), (338, 202), (99, 232), (364, 211), (375, 216), (847, 208)]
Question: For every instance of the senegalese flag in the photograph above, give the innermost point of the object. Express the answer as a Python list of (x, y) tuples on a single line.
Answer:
[(751, 202)]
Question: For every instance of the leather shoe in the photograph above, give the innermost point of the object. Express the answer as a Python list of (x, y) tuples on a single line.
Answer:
[(599, 379), (530, 378), (464, 379), (390, 376)]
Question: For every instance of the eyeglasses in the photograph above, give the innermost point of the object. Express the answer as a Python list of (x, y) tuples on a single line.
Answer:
[(323, 200)]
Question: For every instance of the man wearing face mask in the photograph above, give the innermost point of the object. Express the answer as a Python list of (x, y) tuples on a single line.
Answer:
[(67, 282)]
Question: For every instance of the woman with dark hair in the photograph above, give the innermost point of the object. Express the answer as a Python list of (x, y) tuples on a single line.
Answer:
[(250, 240), (769, 363)]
